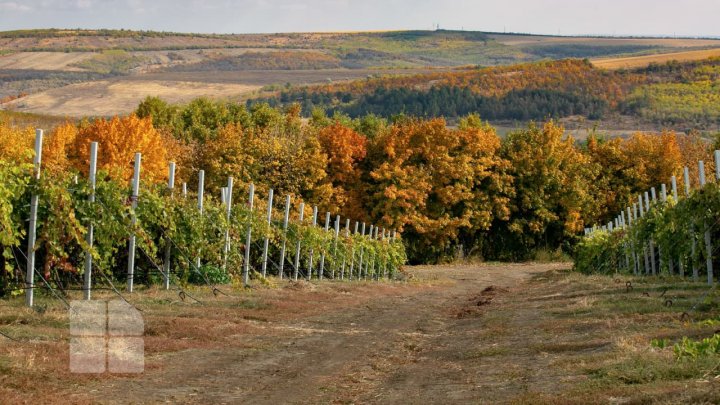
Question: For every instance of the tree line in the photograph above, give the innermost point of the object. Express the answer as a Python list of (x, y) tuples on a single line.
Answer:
[(452, 192)]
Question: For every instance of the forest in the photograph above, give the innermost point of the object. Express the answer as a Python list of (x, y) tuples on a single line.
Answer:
[(672, 94)]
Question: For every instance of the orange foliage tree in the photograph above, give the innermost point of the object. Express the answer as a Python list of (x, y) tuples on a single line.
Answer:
[(435, 184), (345, 150), (118, 140)]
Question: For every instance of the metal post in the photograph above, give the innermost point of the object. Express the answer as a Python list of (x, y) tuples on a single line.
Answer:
[(708, 242), (384, 239), (321, 271), (651, 245), (87, 277), (184, 190), (201, 197), (266, 245), (659, 262), (248, 239), (637, 255), (284, 242), (168, 246), (369, 257), (347, 236), (32, 227), (645, 249), (664, 196), (693, 248), (298, 245), (352, 253), (228, 213), (312, 251), (134, 199), (360, 263), (335, 241)]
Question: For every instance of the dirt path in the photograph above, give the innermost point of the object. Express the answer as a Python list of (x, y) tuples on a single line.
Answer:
[(409, 347)]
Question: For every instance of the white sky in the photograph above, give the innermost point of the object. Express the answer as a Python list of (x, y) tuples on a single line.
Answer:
[(565, 17)]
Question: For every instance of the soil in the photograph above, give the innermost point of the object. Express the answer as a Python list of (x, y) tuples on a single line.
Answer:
[(519, 334), (403, 346)]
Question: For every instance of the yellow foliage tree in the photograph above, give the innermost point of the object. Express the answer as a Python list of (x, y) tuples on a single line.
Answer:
[(118, 140), (57, 150), (16, 144)]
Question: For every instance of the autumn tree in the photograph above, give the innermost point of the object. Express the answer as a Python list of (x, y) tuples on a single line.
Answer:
[(119, 138), (551, 190), (433, 183), (652, 159), (345, 149)]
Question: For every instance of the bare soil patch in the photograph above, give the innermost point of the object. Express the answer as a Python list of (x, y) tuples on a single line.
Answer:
[(541, 335)]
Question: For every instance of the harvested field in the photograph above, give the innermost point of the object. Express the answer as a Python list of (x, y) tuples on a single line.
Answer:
[(642, 61), (104, 97), (122, 95)]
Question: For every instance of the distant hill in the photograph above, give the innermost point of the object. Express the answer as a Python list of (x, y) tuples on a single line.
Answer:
[(104, 72), (676, 94)]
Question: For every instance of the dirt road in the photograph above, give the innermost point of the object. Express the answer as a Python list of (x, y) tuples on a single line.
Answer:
[(517, 334), (414, 345)]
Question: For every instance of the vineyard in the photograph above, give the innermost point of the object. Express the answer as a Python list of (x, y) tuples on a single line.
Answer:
[(99, 225), (667, 234), (660, 233)]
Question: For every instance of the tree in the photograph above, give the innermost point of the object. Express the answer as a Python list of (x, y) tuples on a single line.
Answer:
[(119, 138), (435, 184), (345, 150), (551, 190)]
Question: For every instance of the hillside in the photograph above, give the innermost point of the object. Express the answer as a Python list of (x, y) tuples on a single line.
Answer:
[(676, 94), (105, 72)]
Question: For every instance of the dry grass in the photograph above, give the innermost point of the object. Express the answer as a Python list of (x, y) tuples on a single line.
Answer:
[(642, 61)]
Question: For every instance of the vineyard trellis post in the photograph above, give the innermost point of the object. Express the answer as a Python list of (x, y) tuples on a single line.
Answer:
[(87, 277), (646, 269), (312, 248), (635, 247), (168, 244), (663, 196), (370, 258), (708, 242), (248, 239), (626, 244), (296, 271), (228, 212), (134, 202), (201, 196), (321, 271), (352, 252), (651, 245), (32, 226), (693, 247), (347, 237), (266, 244), (660, 261), (362, 251), (335, 241), (681, 261), (286, 219)]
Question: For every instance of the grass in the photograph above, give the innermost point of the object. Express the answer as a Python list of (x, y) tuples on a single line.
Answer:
[(638, 61)]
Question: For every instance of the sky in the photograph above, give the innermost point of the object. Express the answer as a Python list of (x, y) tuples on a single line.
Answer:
[(563, 17)]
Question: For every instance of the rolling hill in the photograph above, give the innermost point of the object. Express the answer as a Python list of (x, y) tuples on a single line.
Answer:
[(105, 72)]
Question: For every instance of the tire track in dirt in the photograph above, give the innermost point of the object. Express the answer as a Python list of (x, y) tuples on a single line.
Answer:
[(404, 348)]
